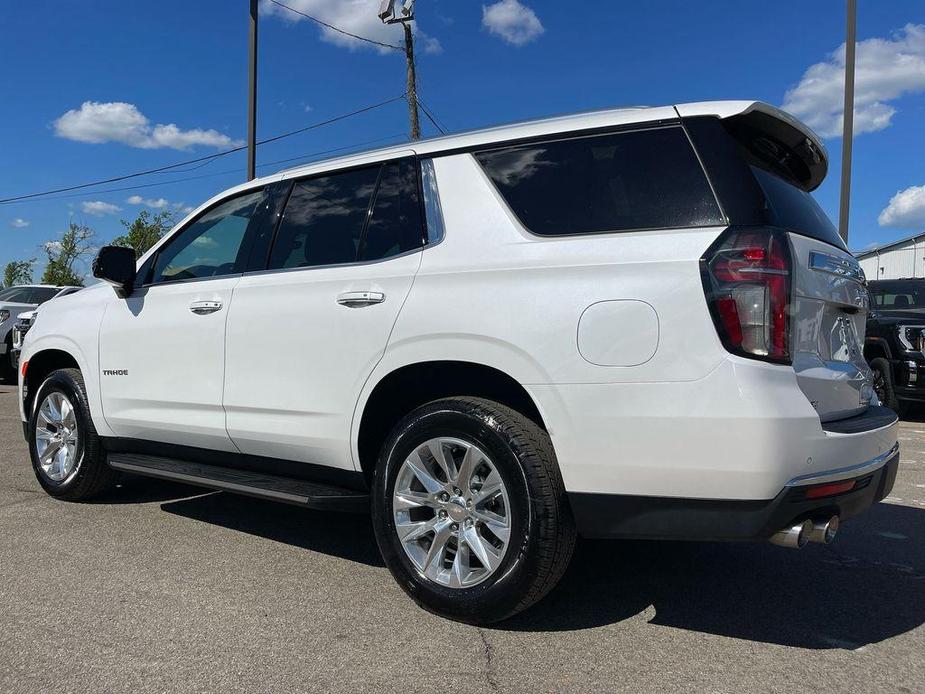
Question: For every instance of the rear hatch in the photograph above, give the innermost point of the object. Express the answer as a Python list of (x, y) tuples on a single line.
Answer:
[(763, 165)]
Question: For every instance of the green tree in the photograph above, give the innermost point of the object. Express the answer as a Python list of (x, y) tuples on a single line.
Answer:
[(145, 231), (75, 245), (18, 272)]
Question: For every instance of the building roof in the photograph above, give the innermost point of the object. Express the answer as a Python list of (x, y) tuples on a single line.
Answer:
[(868, 252)]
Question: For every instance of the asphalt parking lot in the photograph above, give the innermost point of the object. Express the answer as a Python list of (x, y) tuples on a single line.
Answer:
[(164, 588)]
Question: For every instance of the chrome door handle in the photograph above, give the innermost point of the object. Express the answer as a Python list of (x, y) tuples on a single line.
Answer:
[(201, 308), (358, 299)]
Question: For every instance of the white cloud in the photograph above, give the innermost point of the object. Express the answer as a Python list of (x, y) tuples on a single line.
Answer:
[(98, 208), (885, 69), (905, 210), (515, 23), (117, 121), (19, 223), (157, 204), (360, 17)]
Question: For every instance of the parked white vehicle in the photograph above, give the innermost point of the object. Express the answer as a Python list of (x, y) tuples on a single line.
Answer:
[(627, 323), (17, 300)]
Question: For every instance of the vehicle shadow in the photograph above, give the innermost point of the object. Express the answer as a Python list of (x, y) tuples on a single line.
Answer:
[(345, 535), (868, 586)]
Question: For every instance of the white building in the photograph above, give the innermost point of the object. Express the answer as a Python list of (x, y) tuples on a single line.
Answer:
[(899, 259)]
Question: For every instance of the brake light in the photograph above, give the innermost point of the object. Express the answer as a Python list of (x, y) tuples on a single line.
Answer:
[(25, 367), (746, 278)]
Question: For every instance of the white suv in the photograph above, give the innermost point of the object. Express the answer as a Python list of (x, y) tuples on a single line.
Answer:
[(629, 323)]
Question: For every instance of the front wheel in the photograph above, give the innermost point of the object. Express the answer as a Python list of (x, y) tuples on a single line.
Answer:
[(470, 511), (67, 456)]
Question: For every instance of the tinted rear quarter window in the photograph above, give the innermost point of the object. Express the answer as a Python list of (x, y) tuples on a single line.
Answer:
[(645, 179)]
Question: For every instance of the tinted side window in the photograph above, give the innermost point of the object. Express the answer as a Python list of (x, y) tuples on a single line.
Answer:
[(324, 220), (213, 244), (634, 180), (395, 225)]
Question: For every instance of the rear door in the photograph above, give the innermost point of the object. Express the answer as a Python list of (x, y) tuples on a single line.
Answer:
[(304, 335)]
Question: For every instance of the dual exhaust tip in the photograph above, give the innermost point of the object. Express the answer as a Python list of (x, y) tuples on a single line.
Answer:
[(820, 530)]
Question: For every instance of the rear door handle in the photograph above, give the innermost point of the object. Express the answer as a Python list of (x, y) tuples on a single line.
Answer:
[(358, 299), (201, 308)]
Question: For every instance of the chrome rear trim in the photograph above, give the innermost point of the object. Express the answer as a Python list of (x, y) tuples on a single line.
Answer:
[(845, 472)]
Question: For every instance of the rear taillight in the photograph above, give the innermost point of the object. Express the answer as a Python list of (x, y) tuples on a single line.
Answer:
[(747, 276)]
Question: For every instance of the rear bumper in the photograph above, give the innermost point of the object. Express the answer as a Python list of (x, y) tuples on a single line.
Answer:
[(669, 518)]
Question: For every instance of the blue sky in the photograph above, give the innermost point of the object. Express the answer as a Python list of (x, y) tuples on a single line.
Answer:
[(166, 82)]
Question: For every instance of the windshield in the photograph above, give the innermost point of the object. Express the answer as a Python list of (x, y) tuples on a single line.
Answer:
[(28, 295), (898, 298)]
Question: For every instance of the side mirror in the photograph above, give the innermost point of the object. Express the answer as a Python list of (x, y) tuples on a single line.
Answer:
[(116, 266)]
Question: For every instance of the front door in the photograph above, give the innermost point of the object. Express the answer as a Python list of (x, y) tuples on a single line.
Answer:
[(162, 350), (304, 336)]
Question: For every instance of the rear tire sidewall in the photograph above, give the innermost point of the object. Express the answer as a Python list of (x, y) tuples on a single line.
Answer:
[(882, 366), (62, 382), (497, 596)]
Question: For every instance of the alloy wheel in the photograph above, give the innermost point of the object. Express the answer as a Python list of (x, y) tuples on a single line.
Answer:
[(56, 436), (452, 513)]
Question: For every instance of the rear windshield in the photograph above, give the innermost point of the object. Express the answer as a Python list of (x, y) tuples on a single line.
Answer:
[(646, 179), (796, 209)]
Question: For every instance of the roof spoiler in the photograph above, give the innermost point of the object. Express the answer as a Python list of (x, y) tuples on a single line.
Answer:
[(772, 138)]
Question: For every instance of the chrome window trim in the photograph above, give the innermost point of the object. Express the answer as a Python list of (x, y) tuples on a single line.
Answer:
[(433, 210)]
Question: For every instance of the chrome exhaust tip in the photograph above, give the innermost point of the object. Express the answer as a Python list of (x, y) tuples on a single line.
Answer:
[(793, 537), (824, 530)]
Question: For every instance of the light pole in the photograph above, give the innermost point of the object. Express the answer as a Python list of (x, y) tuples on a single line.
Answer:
[(848, 117), (404, 17)]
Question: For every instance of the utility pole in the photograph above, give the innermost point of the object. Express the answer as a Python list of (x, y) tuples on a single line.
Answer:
[(848, 131), (405, 17), (252, 96)]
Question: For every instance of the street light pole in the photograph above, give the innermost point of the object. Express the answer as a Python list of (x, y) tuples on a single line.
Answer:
[(848, 117), (252, 96)]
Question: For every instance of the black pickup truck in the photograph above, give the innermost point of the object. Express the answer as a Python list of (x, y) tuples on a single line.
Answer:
[(894, 345)]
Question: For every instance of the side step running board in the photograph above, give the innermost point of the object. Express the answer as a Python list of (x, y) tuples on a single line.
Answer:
[(274, 487)]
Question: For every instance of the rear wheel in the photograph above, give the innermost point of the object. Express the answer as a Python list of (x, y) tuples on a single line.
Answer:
[(67, 457), (883, 384), (469, 510)]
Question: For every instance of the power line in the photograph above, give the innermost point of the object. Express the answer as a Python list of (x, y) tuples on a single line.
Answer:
[(430, 117), (184, 179), (207, 158), (340, 31)]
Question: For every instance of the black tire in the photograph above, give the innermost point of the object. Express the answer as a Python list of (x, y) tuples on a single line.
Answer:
[(91, 475), (883, 384), (542, 527)]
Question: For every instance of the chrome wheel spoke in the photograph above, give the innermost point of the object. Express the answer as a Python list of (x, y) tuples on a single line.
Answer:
[(451, 512), (411, 532), (482, 550), (442, 535), (408, 500), (490, 488), (431, 484), (467, 469), (435, 447)]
